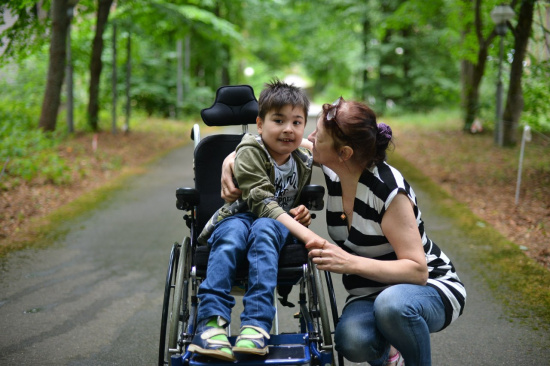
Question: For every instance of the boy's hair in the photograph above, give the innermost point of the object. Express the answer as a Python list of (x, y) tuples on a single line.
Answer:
[(277, 94)]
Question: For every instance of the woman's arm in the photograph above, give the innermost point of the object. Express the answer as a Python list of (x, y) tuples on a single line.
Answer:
[(230, 192), (400, 228)]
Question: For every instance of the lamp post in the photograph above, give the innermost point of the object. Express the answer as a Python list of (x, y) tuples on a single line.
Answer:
[(500, 15)]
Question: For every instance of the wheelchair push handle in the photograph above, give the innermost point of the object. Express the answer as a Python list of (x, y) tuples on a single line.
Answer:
[(312, 197), (187, 198)]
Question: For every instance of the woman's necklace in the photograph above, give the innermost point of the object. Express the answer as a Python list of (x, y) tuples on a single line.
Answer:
[(346, 214), (348, 197)]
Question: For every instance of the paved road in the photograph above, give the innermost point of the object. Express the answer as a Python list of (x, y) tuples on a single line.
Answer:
[(94, 296)]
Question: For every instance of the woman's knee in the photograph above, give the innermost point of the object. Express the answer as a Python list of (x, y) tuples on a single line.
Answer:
[(392, 308), (388, 304), (356, 343)]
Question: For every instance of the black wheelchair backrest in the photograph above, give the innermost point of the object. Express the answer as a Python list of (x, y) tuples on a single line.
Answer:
[(234, 105)]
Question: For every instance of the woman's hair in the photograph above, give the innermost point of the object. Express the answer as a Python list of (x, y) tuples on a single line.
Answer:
[(278, 94), (355, 125)]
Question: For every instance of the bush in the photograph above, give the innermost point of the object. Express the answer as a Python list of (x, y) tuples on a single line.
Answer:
[(31, 153), (536, 111), (25, 151)]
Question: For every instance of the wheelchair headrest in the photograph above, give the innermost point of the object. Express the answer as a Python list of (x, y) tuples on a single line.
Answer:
[(234, 105)]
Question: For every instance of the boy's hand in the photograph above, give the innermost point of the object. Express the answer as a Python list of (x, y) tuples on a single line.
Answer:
[(301, 214), (230, 192)]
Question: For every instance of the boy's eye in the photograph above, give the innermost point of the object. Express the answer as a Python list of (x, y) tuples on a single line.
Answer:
[(278, 120), (297, 122)]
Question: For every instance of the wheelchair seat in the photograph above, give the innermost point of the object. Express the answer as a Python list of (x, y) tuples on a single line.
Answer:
[(292, 256), (236, 106)]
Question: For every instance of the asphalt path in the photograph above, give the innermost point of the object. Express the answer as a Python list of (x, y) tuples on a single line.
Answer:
[(94, 296)]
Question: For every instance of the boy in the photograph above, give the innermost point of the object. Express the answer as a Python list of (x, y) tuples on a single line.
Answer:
[(271, 170)]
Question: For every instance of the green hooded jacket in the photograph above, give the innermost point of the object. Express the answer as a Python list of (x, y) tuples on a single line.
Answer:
[(255, 174)]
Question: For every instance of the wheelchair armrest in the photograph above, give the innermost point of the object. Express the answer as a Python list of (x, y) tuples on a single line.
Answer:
[(312, 197), (186, 198)]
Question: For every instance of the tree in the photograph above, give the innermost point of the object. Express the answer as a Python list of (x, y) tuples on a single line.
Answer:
[(514, 98), (96, 65), (56, 68), (206, 40), (472, 70)]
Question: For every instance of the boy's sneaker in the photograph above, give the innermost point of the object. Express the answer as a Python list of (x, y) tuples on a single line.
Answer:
[(212, 342), (252, 340)]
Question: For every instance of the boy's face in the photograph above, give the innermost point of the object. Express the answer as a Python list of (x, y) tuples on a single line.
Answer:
[(282, 131)]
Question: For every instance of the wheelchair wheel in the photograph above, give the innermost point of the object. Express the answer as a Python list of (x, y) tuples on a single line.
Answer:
[(174, 310), (323, 312), (317, 309)]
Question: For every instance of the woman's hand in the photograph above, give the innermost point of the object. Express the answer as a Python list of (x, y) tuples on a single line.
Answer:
[(301, 214), (230, 192), (330, 257)]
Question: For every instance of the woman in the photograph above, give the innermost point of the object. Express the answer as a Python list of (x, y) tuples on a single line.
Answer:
[(401, 286)]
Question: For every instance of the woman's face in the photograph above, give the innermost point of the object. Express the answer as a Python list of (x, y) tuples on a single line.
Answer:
[(323, 145)]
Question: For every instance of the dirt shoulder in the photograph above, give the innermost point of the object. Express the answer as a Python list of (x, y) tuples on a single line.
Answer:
[(484, 177), (96, 160)]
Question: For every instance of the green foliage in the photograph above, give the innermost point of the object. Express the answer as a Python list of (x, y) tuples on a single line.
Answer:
[(434, 120), (370, 50), (23, 20), (536, 96), (30, 152)]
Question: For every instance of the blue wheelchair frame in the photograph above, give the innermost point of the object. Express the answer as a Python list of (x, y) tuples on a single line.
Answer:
[(312, 345)]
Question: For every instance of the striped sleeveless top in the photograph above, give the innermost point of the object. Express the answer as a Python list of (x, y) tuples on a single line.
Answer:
[(377, 188)]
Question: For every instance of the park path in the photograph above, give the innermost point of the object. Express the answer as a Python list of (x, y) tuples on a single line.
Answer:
[(93, 297)]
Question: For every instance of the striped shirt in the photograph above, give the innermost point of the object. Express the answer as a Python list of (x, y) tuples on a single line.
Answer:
[(376, 189)]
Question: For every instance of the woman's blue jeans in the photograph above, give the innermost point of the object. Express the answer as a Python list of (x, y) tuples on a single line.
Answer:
[(237, 239), (402, 315)]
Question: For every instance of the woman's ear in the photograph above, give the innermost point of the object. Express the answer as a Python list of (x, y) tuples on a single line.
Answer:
[(259, 124), (346, 153)]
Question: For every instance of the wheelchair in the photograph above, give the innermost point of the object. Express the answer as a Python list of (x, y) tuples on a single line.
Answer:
[(312, 343)]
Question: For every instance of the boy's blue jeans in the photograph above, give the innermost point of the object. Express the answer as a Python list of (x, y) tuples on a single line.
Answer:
[(236, 240), (402, 315)]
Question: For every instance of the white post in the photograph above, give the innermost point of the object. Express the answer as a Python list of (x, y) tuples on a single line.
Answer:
[(525, 137)]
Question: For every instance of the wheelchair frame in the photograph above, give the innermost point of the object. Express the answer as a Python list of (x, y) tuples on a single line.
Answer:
[(186, 266)]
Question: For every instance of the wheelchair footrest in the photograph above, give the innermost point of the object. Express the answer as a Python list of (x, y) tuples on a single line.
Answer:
[(294, 354), (284, 349)]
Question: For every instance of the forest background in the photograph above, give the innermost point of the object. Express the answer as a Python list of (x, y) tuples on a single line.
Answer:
[(131, 76)]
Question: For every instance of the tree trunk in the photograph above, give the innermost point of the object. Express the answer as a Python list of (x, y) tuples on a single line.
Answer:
[(225, 65), (514, 98), (472, 80), (114, 83), (56, 68), (365, 38), (472, 74), (103, 8), (128, 78)]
